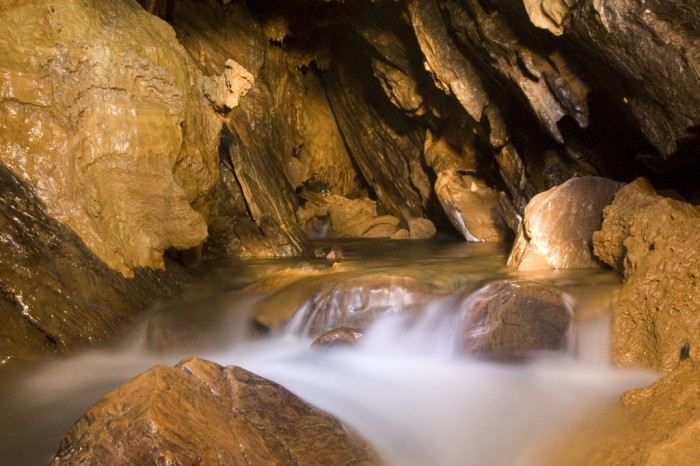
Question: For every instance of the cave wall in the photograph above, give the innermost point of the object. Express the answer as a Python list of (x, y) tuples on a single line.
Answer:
[(245, 128)]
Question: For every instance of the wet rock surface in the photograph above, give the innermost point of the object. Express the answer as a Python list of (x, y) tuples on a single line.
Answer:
[(55, 295), (338, 337), (513, 317), (200, 412), (354, 303), (558, 227), (113, 134)]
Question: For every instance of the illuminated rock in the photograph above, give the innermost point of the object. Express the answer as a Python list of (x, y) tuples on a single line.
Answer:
[(558, 227), (200, 412)]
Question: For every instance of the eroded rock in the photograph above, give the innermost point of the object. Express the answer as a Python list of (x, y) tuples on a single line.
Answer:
[(558, 227), (101, 113), (653, 241), (200, 412), (513, 317), (55, 295), (663, 423), (471, 205)]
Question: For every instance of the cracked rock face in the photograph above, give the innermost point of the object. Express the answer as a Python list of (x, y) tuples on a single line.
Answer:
[(100, 112)]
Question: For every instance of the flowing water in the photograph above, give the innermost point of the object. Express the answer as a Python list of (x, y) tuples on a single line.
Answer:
[(403, 387)]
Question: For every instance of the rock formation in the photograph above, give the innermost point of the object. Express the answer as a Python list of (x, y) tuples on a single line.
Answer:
[(514, 317), (652, 241), (557, 231), (200, 412), (55, 295), (101, 114)]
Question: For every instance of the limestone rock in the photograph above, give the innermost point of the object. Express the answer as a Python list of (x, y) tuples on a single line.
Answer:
[(558, 227), (100, 111), (347, 218), (648, 45), (663, 423), (55, 295), (384, 144), (544, 79), (451, 71), (421, 228), (225, 90), (354, 302), (200, 412), (514, 316), (548, 14), (653, 241), (471, 206)]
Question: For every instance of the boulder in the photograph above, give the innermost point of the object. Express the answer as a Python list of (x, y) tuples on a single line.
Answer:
[(514, 316), (327, 304), (558, 227), (471, 206), (102, 114), (342, 336), (653, 241), (201, 413)]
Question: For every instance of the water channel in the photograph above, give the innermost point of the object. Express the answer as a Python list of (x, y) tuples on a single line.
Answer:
[(403, 386)]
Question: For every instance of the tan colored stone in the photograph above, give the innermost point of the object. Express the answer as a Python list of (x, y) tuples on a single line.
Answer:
[(558, 227), (471, 206), (224, 91), (421, 228), (663, 423), (450, 70), (100, 112), (653, 241), (548, 14), (202, 413)]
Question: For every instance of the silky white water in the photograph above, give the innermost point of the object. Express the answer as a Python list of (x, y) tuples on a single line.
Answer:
[(403, 387)]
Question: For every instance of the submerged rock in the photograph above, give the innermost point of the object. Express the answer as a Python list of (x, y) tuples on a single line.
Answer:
[(558, 227), (514, 316), (201, 413), (342, 336), (354, 302), (653, 241)]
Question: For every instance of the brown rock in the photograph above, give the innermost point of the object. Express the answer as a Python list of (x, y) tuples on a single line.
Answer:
[(100, 111), (653, 241), (471, 206), (342, 336), (450, 70), (548, 14), (557, 230), (202, 413), (353, 302), (514, 316), (644, 46), (663, 423), (55, 295), (421, 228)]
